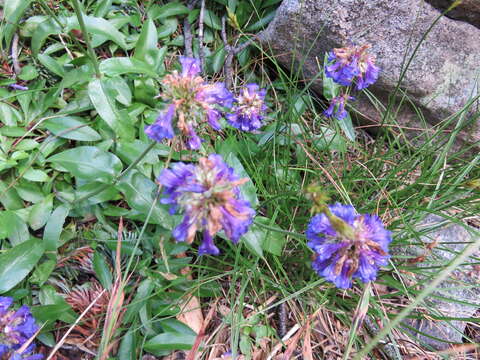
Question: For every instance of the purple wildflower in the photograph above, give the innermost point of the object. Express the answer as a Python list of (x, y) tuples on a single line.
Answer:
[(18, 87), (16, 328), (340, 257), (352, 63), (249, 109), (337, 107), (208, 196), (192, 103)]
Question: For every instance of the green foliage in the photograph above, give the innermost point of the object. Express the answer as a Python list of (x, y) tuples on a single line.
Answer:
[(74, 159)]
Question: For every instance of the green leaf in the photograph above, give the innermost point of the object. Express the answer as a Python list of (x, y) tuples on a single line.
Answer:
[(102, 8), (212, 20), (89, 163), (245, 345), (36, 175), (42, 272), (40, 213), (127, 350), (28, 73), (168, 28), (273, 241), (218, 59), (102, 271), (168, 10), (329, 139), (42, 32), (17, 262), (9, 115), (29, 191), (146, 49), (51, 312), (262, 23), (330, 88), (107, 194), (120, 88), (170, 341), (140, 193), (71, 127), (124, 65), (173, 325), (10, 198), (51, 64), (143, 293), (13, 227), (254, 240), (103, 102), (13, 11), (53, 229), (347, 126), (268, 3), (247, 190), (99, 26)]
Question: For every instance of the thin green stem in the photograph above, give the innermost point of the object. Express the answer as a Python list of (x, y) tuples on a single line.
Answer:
[(358, 318), (271, 228), (83, 27), (51, 13)]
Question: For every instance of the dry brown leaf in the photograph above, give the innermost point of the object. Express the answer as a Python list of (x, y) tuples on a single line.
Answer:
[(201, 334), (307, 344), (191, 314)]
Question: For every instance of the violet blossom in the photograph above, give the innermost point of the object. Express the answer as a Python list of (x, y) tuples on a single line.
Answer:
[(16, 329), (349, 64), (336, 108), (348, 245), (191, 104), (249, 109), (208, 196)]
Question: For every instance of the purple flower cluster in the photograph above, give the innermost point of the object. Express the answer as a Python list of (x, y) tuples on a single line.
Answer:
[(192, 102), (16, 328), (352, 63), (208, 196), (337, 107), (343, 256), (249, 109)]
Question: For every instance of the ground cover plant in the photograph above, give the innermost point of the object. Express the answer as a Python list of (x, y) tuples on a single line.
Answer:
[(168, 190)]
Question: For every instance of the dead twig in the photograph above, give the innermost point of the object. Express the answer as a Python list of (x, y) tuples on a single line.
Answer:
[(16, 63), (201, 54), (187, 31), (232, 51), (282, 320)]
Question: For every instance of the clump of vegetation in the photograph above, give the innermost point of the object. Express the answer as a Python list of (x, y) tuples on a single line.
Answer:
[(129, 128)]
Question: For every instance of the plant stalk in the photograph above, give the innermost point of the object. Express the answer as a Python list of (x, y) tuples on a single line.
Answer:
[(83, 27)]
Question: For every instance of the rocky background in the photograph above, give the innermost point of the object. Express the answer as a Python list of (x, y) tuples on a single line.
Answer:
[(433, 57)]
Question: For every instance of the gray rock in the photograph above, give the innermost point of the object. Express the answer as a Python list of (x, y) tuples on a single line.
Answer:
[(467, 10), (462, 285), (440, 80)]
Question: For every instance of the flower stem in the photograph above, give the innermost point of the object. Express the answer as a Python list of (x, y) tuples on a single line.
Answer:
[(83, 27)]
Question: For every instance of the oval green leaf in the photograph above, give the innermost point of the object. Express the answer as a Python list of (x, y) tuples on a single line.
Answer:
[(89, 163), (72, 127), (17, 262)]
